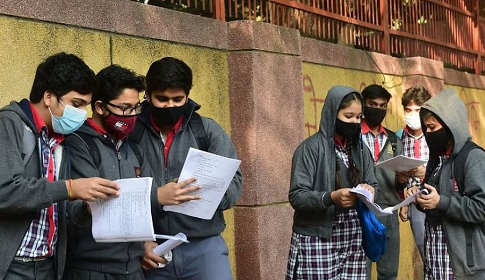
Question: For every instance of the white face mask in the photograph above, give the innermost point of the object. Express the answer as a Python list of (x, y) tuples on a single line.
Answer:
[(413, 121)]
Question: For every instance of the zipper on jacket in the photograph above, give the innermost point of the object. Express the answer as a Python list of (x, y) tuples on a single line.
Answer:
[(165, 173), (129, 258)]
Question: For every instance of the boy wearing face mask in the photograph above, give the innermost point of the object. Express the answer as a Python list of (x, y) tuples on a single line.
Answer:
[(115, 107), (166, 131), (415, 146), (383, 145), (455, 215), (35, 162)]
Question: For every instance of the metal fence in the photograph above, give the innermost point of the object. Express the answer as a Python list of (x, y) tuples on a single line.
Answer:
[(450, 31)]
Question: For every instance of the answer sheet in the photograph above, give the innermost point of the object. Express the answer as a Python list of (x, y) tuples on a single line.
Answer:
[(214, 173), (126, 218), (366, 197), (401, 163)]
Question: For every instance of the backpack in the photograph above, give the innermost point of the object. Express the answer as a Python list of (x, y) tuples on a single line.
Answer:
[(458, 170), (28, 144), (94, 151), (391, 136), (195, 124)]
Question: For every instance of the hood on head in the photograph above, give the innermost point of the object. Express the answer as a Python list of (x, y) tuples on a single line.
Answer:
[(330, 109), (452, 111)]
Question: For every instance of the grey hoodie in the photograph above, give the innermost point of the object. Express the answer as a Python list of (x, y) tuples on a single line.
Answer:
[(459, 211), (23, 191), (219, 143), (83, 251), (314, 167)]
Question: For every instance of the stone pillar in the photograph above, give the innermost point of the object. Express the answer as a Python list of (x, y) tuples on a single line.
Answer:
[(266, 101)]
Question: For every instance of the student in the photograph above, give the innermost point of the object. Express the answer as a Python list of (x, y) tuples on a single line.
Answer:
[(33, 188), (167, 128), (99, 148), (454, 237), (327, 237), (383, 144), (414, 146)]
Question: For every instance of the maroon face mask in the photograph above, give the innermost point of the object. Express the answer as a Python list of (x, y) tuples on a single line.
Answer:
[(120, 126)]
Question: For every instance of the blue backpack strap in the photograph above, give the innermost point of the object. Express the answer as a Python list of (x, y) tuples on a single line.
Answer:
[(399, 133)]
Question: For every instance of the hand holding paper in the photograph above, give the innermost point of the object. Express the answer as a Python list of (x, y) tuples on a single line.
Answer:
[(401, 163)]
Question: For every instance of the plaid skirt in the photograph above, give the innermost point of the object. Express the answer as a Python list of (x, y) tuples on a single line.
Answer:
[(341, 257), (437, 265)]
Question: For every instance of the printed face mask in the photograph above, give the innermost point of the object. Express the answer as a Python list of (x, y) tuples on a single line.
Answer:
[(345, 129), (413, 121), (374, 116), (71, 120), (120, 126), (169, 115), (438, 141)]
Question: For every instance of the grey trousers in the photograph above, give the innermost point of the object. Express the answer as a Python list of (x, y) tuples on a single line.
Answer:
[(38, 270), (388, 264), (201, 259)]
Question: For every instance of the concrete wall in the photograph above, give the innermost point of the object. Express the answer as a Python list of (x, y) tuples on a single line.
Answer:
[(264, 84)]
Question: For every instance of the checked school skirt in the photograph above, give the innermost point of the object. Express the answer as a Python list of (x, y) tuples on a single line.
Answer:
[(338, 258), (437, 265)]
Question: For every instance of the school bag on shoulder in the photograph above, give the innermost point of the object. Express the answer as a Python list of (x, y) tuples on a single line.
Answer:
[(195, 124), (94, 151), (393, 140), (459, 177)]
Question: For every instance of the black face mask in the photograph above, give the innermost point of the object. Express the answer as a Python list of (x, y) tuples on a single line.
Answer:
[(438, 141), (374, 116), (168, 116), (345, 129)]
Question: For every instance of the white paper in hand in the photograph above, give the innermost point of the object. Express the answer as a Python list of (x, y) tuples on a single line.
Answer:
[(401, 163), (126, 218), (172, 242), (214, 173)]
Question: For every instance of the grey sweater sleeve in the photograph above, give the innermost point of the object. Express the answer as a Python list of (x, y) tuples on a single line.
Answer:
[(20, 194), (302, 195), (471, 207), (82, 166), (221, 144)]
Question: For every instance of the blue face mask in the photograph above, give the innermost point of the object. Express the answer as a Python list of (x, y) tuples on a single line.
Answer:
[(70, 121)]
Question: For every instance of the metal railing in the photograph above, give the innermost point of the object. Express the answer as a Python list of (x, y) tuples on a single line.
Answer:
[(450, 31)]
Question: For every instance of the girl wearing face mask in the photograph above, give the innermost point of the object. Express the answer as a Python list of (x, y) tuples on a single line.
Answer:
[(327, 237), (454, 235)]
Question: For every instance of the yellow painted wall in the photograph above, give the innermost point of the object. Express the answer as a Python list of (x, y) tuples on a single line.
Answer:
[(317, 80), (25, 43)]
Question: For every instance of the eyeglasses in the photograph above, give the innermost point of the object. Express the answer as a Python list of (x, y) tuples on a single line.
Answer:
[(128, 111)]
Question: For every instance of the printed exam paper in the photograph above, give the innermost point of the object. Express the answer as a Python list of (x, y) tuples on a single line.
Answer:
[(214, 173)]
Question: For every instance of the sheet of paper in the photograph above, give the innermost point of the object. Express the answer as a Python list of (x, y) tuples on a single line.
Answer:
[(172, 242), (126, 218), (214, 173), (366, 197), (401, 163)]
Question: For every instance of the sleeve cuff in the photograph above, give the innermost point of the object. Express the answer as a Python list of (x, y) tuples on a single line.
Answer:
[(327, 199), (444, 203)]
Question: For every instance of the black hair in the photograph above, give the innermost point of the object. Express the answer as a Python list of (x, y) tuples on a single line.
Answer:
[(353, 174), (60, 74), (376, 91), (112, 80), (169, 73), (416, 94)]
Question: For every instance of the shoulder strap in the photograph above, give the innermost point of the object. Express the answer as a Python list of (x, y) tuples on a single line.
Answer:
[(393, 139), (137, 133), (137, 151), (197, 128), (91, 147), (459, 164), (28, 144), (399, 133)]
